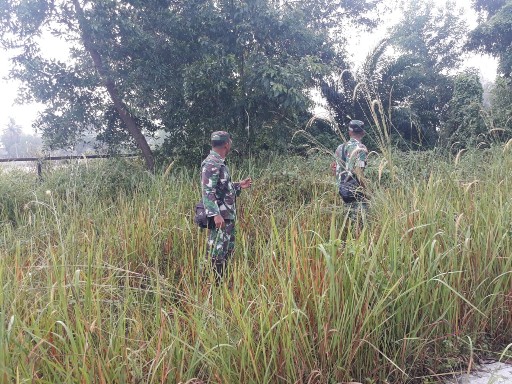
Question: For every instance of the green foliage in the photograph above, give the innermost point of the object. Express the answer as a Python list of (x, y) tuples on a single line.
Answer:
[(414, 83), (75, 182), (499, 117), (407, 74), (184, 68), (341, 97), (494, 33), (15, 192), (251, 79), (464, 125), (81, 180)]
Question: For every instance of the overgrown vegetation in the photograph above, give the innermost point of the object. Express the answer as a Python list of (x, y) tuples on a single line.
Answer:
[(104, 279), (103, 274)]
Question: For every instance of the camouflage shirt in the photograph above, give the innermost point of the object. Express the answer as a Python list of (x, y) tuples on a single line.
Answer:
[(219, 193), (353, 156)]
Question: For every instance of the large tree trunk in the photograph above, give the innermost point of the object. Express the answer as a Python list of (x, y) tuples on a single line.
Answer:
[(131, 124)]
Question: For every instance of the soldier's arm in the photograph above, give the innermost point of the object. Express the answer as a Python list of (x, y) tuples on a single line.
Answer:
[(338, 166), (209, 180), (338, 155)]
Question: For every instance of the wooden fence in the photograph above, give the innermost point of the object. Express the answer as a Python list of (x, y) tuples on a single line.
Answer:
[(40, 160)]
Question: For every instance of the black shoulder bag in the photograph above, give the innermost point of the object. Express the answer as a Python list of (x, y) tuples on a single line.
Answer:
[(201, 219)]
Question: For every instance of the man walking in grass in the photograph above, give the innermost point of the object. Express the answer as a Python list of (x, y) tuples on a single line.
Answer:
[(349, 170), (219, 197)]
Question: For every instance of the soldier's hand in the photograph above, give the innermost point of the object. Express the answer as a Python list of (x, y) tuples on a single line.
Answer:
[(246, 183), (219, 221), (333, 167)]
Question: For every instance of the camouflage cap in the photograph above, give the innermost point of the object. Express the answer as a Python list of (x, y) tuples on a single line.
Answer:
[(356, 126), (221, 136)]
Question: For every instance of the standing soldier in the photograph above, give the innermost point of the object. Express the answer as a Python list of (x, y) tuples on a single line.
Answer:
[(219, 196), (349, 169)]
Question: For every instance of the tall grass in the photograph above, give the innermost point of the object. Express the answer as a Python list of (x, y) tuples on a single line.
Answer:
[(104, 278)]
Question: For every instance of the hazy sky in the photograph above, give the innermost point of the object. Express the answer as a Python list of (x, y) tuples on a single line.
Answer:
[(360, 46)]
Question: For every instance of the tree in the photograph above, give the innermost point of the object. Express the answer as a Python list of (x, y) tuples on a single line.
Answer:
[(73, 92), (16, 143), (253, 69), (493, 36), (409, 73), (494, 33), (349, 96), (181, 67), (11, 138), (248, 75), (498, 115), (416, 79), (464, 124)]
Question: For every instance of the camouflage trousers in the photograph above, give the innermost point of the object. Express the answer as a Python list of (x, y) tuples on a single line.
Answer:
[(358, 212), (221, 243)]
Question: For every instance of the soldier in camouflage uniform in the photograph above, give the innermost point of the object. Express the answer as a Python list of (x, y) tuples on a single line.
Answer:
[(219, 197), (352, 156)]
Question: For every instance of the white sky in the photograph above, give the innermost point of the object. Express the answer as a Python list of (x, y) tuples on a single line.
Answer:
[(359, 47), (22, 114)]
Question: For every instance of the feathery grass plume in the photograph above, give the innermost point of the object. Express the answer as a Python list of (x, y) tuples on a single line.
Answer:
[(453, 145), (317, 146), (507, 145), (369, 91), (495, 130), (467, 186), (378, 120), (459, 154), (169, 168), (382, 165)]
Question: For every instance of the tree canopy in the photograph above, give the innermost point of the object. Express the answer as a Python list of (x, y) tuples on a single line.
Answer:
[(183, 68), (409, 72), (178, 70), (464, 125), (494, 34)]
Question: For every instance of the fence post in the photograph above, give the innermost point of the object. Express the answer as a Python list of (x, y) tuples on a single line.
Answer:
[(40, 170)]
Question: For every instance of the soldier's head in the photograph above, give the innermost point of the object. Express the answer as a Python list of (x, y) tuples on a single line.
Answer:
[(221, 142), (356, 129)]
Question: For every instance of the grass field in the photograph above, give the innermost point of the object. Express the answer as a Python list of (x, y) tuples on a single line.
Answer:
[(103, 276)]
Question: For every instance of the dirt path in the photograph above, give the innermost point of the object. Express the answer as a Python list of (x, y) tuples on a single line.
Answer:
[(494, 373)]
